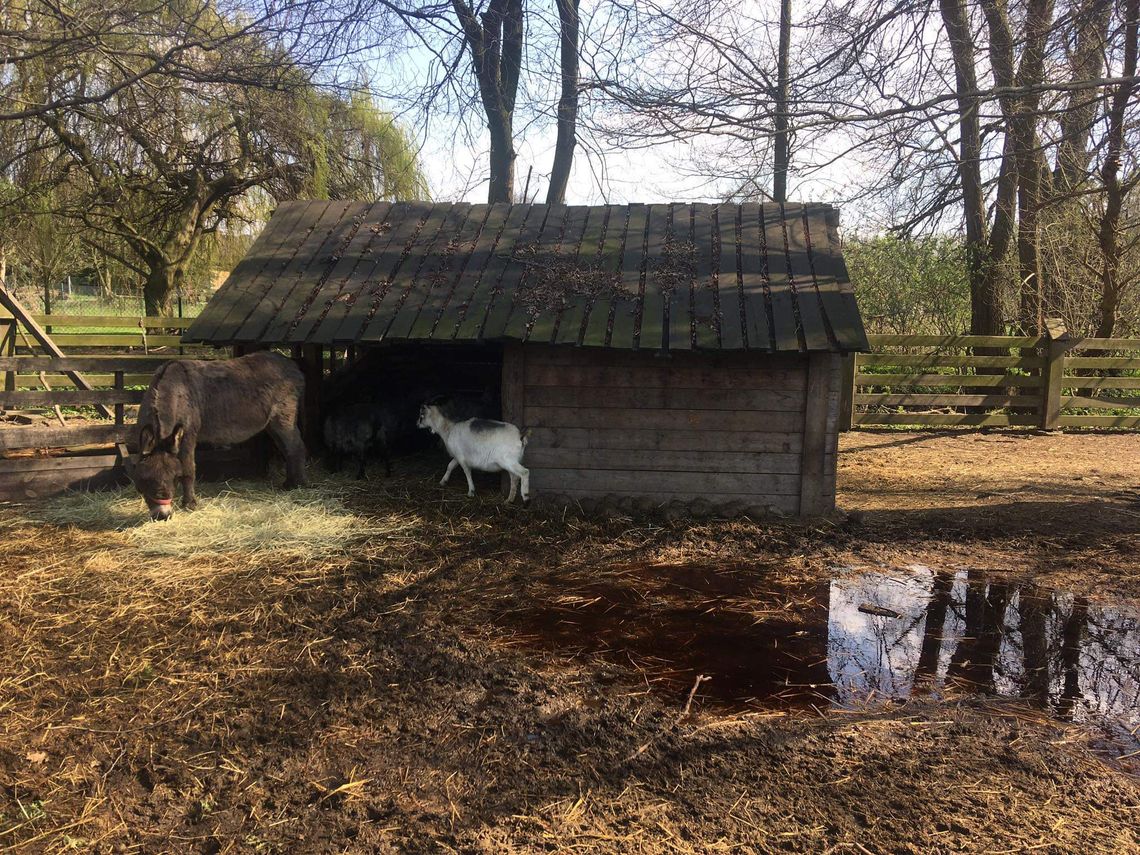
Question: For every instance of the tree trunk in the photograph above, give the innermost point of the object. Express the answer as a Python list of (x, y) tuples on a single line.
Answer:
[(975, 658), (1030, 72), (1020, 115), (932, 637), (1034, 606), (985, 302), (1090, 21), (47, 286), (496, 57), (1109, 231), (1032, 314), (105, 284), (159, 289), (502, 187), (1071, 636), (567, 103), (782, 143)]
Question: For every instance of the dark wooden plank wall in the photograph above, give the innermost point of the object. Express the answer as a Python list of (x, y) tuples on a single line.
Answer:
[(30, 478), (725, 427)]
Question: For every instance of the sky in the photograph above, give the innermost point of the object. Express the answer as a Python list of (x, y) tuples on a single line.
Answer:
[(456, 165), (457, 171)]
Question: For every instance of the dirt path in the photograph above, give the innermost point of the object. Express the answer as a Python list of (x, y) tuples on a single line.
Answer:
[(932, 471), (504, 680), (1063, 509)]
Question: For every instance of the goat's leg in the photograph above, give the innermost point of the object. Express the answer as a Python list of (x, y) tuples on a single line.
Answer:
[(519, 471), (470, 483), (514, 486), (450, 468)]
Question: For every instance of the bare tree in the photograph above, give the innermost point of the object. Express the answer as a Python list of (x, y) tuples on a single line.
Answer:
[(1109, 231), (783, 151), (567, 101), (984, 249), (495, 41), (1001, 145)]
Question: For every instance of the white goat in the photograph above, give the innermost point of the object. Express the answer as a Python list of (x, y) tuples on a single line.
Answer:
[(482, 444)]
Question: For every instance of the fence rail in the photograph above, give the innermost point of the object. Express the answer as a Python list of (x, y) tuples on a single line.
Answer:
[(68, 386), (1051, 381)]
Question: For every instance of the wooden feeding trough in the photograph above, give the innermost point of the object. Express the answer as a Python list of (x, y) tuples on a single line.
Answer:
[(662, 352)]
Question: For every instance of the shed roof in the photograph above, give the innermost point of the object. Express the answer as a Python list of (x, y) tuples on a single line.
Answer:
[(680, 276)]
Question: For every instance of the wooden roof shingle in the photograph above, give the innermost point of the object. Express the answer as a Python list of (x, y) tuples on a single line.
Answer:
[(724, 277)]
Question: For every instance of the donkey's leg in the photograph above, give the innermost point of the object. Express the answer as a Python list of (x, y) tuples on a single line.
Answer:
[(288, 440), (189, 473)]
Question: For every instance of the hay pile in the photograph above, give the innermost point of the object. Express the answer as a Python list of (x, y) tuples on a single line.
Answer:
[(238, 524)]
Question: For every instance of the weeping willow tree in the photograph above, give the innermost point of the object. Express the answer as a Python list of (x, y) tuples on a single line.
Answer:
[(356, 150), (159, 165)]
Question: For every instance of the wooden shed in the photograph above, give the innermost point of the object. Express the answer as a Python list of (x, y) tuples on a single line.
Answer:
[(657, 351)]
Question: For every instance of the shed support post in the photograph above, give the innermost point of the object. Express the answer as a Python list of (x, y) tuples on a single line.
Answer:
[(820, 419), (311, 356), (1056, 344), (847, 391), (514, 373)]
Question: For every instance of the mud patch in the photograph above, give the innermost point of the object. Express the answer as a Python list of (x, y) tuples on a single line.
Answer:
[(770, 640)]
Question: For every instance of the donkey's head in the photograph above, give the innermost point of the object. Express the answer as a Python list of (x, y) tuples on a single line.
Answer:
[(158, 470)]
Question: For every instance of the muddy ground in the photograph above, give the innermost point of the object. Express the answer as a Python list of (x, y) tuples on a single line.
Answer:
[(505, 680)]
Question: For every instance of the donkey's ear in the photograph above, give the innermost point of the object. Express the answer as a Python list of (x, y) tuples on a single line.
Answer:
[(176, 438), (146, 440)]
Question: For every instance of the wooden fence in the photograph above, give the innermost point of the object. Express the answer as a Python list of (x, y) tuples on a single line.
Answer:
[(1051, 381), (67, 416)]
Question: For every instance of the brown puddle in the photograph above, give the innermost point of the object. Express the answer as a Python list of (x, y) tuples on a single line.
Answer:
[(772, 642)]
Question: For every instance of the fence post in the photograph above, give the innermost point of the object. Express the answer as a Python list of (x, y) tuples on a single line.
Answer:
[(1056, 343), (847, 391), (119, 409), (8, 348)]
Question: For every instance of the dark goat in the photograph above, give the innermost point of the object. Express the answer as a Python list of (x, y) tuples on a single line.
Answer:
[(460, 407), (356, 429)]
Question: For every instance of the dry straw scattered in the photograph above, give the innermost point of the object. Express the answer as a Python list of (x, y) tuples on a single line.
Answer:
[(238, 524)]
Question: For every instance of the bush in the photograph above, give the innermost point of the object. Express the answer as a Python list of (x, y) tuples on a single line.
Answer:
[(910, 286)]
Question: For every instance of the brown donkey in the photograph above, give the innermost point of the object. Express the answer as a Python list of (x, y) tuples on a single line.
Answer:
[(222, 402)]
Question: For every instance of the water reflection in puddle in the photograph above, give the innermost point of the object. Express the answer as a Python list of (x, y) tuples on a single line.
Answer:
[(855, 639), (1077, 660)]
